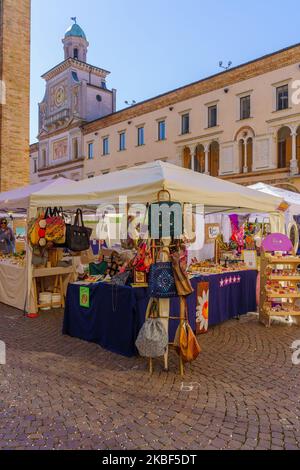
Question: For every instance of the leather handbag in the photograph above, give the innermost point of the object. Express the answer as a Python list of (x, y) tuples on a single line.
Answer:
[(161, 281), (77, 235), (185, 342), (182, 281), (153, 339)]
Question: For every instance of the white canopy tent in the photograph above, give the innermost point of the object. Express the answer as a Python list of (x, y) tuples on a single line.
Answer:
[(141, 184), (15, 283), (18, 200), (293, 199)]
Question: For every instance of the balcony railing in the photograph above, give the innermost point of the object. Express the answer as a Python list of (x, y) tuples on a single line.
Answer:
[(61, 116)]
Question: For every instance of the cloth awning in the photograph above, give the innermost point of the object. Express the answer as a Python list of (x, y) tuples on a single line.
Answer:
[(19, 199), (141, 184)]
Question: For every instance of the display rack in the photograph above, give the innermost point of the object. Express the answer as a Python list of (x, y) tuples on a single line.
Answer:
[(278, 286)]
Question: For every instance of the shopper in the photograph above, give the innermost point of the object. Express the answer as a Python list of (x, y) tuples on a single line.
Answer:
[(7, 238)]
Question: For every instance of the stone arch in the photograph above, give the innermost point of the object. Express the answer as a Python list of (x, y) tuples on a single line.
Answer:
[(244, 133)]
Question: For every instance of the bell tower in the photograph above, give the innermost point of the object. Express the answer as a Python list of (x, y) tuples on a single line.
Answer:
[(75, 43)]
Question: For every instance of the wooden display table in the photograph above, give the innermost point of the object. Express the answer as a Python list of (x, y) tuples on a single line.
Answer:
[(58, 274)]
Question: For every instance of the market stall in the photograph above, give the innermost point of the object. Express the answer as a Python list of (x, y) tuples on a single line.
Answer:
[(16, 269), (292, 215), (111, 305)]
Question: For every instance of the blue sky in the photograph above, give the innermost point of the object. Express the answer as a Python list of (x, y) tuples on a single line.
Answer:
[(152, 46)]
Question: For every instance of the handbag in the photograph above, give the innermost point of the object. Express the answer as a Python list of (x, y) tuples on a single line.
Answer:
[(55, 226), (182, 281), (77, 235), (37, 231), (185, 342), (161, 281), (165, 218), (153, 339)]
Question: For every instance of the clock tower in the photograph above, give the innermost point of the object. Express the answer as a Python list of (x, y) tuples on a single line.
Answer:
[(76, 93)]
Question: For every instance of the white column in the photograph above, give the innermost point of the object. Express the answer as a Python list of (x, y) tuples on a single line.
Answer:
[(294, 163), (206, 150), (245, 169)]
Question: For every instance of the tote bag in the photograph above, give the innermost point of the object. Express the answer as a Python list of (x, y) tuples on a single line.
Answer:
[(161, 281), (77, 235)]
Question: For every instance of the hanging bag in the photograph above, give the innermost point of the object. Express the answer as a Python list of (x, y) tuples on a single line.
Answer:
[(165, 218), (161, 281), (77, 235), (153, 339), (182, 281), (186, 342), (55, 226)]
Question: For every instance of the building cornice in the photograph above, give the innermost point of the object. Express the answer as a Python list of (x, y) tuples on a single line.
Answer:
[(45, 136), (66, 165), (66, 64), (34, 147), (254, 68), (191, 140)]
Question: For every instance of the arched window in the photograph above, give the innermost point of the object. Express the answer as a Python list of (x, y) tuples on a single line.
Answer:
[(76, 54), (284, 151), (245, 138), (187, 160), (241, 156), (250, 154), (214, 159), (199, 159)]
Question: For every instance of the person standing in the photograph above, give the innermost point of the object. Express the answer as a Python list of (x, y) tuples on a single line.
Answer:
[(7, 238)]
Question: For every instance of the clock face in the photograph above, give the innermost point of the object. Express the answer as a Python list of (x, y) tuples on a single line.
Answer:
[(60, 96)]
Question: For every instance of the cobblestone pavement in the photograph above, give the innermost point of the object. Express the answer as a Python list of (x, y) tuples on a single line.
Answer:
[(61, 393)]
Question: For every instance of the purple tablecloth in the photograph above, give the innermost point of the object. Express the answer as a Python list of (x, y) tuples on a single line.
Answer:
[(115, 317)]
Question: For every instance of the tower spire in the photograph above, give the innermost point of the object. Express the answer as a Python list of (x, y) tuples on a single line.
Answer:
[(75, 42)]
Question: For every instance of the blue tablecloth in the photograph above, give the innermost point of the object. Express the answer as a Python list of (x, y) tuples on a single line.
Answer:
[(116, 315)]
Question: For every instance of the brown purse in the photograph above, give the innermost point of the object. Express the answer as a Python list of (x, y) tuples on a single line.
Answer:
[(185, 342), (182, 282)]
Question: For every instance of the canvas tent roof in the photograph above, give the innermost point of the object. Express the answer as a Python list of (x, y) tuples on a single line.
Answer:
[(19, 199), (292, 198), (141, 184)]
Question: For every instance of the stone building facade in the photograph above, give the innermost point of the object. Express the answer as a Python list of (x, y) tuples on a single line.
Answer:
[(76, 93), (14, 93), (242, 124)]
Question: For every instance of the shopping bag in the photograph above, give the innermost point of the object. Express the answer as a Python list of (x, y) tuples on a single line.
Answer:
[(77, 235)]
